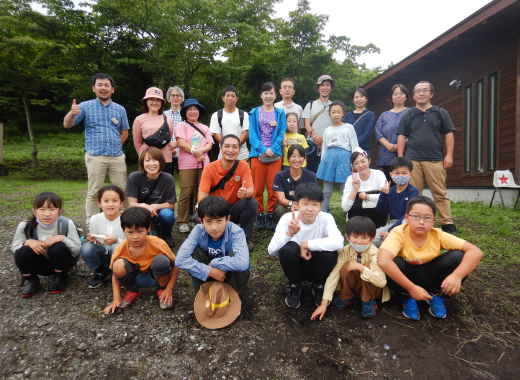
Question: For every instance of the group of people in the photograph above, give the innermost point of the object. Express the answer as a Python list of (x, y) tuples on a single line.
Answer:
[(278, 147)]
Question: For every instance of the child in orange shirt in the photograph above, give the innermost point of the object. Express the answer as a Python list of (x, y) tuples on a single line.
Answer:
[(141, 260)]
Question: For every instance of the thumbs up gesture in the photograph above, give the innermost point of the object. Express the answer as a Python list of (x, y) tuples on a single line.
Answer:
[(74, 108)]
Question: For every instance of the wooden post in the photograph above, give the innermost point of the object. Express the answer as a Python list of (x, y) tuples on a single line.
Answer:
[(3, 168)]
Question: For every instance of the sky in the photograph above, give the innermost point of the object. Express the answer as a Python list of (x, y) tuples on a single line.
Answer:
[(397, 27)]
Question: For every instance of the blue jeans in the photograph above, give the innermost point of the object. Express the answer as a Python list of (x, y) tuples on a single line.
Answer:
[(164, 221), (96, 256), (135, 278)]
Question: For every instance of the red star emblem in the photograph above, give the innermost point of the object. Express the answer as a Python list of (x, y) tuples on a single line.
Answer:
[(503, 179)]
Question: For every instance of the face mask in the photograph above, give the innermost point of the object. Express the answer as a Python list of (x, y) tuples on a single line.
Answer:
[(401, 180), (359, 247)]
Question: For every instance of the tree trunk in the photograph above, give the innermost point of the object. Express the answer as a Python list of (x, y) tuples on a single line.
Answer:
[(34, 154)]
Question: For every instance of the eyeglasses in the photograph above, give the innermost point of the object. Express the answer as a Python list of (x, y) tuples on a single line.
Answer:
[(424, 218)]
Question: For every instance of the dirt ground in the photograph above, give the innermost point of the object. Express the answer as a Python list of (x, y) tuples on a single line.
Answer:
[(67, 337)]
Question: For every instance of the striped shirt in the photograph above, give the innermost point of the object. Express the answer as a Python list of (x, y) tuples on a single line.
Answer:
[(103, 127)]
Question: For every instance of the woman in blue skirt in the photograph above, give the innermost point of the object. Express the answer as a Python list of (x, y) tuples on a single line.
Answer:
[(339, 141)]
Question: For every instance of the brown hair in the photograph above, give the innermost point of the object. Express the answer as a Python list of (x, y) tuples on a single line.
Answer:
[(155, 153), (401, 87)]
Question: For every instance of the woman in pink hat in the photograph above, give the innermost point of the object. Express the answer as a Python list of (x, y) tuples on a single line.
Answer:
[(153, 128)]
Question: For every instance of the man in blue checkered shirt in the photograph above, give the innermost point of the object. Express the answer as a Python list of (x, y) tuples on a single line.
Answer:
[(106, 130)]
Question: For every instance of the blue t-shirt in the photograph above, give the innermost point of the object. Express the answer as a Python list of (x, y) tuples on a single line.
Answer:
[(215, 247)]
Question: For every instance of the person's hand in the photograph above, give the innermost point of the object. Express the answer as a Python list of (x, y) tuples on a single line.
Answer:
[(362, 196), (166, 296), (317, 139), (37, 246), (294, 225), (305, 253), (448, 162), (51, 240), (217, 274), (149, 208), (112, 307), (352, 266), (386, 188), (319, 312), (269, 152), (90, 238), (74, 108), (110, 239), (420, 294), (451, 285), (242, 192), (356, 182)]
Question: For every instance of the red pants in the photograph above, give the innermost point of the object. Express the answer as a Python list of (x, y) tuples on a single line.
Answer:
[(263, 175)]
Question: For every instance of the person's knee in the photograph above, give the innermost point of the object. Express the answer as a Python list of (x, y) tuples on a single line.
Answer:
[(119, 268), (289, 251), (166, 215), (452, 258), (161, 265), (23, 255), (88, 251), (58, 250)]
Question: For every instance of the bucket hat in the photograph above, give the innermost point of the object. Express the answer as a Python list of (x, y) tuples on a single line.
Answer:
[(191, 102), (323, 78), (154, 92), (216, 305)]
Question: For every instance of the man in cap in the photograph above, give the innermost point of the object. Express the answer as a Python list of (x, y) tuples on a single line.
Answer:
[(106, 130), (316, 118)]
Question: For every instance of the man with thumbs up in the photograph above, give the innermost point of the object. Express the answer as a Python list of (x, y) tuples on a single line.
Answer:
[(106, 130)]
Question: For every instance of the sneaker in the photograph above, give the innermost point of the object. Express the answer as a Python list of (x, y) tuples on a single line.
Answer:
[(163, 305), (340, 303), (128, 299), (31, 285), (293, 297), (411, 309), (98, 279), (269, 222), (449, 228), (56, 283), (437, 308), (368, 309), (184, 228), (317, 294)]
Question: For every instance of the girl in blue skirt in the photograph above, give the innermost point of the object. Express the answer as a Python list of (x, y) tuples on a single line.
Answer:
[(339, 141)]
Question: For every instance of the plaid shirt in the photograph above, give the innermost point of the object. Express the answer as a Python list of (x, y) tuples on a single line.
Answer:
[(103, 127)]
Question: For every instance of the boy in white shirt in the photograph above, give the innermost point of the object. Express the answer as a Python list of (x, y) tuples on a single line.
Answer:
[(231, 121), (306, 241)]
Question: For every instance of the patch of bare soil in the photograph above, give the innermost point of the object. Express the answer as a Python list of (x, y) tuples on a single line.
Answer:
[(66, 336)]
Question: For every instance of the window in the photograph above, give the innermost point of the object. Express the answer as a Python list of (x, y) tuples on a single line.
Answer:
[(467, 129), (492, 121)]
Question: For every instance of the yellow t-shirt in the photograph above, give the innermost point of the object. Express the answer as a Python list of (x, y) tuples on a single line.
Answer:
[(400, 244), (291, 139)]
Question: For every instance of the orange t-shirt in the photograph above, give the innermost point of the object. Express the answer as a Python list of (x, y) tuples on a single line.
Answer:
[(212, 174), (154, 246)]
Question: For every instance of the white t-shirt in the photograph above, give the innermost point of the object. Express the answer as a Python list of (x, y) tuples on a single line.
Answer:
[(376, 181), (231, 126), (100, 225), (322, 121)]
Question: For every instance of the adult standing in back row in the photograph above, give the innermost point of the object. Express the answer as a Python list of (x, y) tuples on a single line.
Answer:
[(231, 121), (362, 119), (316, 118), (422, 131), (106, 130)]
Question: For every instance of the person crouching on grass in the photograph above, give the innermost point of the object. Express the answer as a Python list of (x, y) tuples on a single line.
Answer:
[(411, 255), (141, 260), (357, 271), (306, 242)]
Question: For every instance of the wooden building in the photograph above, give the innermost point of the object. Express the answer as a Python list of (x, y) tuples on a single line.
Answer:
[(475, 68)]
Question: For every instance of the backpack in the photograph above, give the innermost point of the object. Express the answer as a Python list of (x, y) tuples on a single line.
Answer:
[(63, 228), (220, 114)]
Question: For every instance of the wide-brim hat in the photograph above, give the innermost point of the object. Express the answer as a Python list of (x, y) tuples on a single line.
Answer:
[(216, 305), (324, 78), (191, 102), (154, 92)]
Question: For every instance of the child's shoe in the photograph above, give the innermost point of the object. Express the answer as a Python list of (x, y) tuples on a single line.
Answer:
[(128, 299), (31, 285), (56, 283), (368, 309), (163, 305), (293, 297), (342, 304), (269, 222), (317, 294), (98, 278), (411, 309), (437, 308), (184, 228)]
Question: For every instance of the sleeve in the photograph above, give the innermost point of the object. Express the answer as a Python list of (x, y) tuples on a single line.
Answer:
[(170, 128), (124, 120), (239, 262), (184, 259), (379, 127), (214, 127), (72, 240), (277, 183), (373, 273), (324, 142), (447, 123), (394, 241), (180, 131), (137, 135), (280, 237), (247, 178), (382, 206), (206, 179), (277, 142), (404, 124), (449, 241), (354, 144), (303, 141), (79, 118), (19, 237), (332, 280), (346, 203), (245, 126), (334, 239), (132, 187), (168, 189), (306, 114), (254, 139), (164, 248)]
